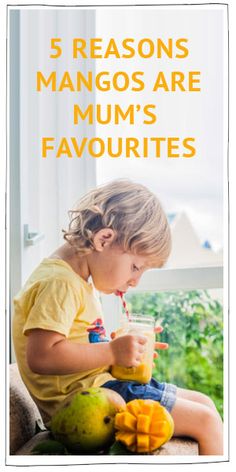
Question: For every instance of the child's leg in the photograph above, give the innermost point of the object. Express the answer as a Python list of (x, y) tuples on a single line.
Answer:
[(196, 420), (196, 397)]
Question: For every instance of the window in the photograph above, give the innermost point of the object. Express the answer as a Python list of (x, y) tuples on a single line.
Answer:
[(193, 328)]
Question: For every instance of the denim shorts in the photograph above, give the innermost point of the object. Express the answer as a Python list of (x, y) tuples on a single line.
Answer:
[(163, 392)]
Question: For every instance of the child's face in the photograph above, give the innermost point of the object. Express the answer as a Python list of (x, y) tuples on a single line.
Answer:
[(113, 269)]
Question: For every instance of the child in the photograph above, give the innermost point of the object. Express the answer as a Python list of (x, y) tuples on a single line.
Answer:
[(117, 231)]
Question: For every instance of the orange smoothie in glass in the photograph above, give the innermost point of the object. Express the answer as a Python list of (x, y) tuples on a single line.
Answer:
[(144, 325)]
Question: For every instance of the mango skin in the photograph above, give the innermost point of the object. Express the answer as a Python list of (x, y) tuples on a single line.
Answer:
[(86, 423)]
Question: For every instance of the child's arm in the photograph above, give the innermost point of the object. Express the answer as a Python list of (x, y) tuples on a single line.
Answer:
[(50, 353)]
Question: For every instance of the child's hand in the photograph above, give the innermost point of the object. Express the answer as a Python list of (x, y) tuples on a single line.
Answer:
[(159, 345), (128, 350)]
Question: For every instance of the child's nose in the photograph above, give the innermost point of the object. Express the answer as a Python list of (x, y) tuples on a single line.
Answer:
[(133, 283)]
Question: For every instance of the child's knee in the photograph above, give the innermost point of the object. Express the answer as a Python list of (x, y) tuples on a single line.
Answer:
[(203, 398), (209, 416), (210, 424)]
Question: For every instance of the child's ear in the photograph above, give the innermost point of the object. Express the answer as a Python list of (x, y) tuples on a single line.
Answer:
[(103, 238)]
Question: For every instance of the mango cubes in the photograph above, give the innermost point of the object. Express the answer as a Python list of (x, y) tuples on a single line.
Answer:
[(143, 426)]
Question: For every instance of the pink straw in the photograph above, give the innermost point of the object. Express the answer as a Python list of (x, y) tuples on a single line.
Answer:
[(124, 304)]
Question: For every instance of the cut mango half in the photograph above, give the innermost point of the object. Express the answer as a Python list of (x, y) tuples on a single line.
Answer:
[(144, 426)]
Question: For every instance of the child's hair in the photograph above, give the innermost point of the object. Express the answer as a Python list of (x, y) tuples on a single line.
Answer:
[(132, 211)]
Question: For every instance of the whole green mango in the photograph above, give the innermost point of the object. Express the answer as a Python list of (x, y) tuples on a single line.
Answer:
[(85, 424)]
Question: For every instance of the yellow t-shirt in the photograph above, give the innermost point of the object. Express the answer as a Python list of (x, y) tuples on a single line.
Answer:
[(57, 299)]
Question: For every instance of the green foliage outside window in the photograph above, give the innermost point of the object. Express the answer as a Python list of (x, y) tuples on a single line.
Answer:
[(193, 327)]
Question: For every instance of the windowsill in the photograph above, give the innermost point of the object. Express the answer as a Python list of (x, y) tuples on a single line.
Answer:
[(186, 278)]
